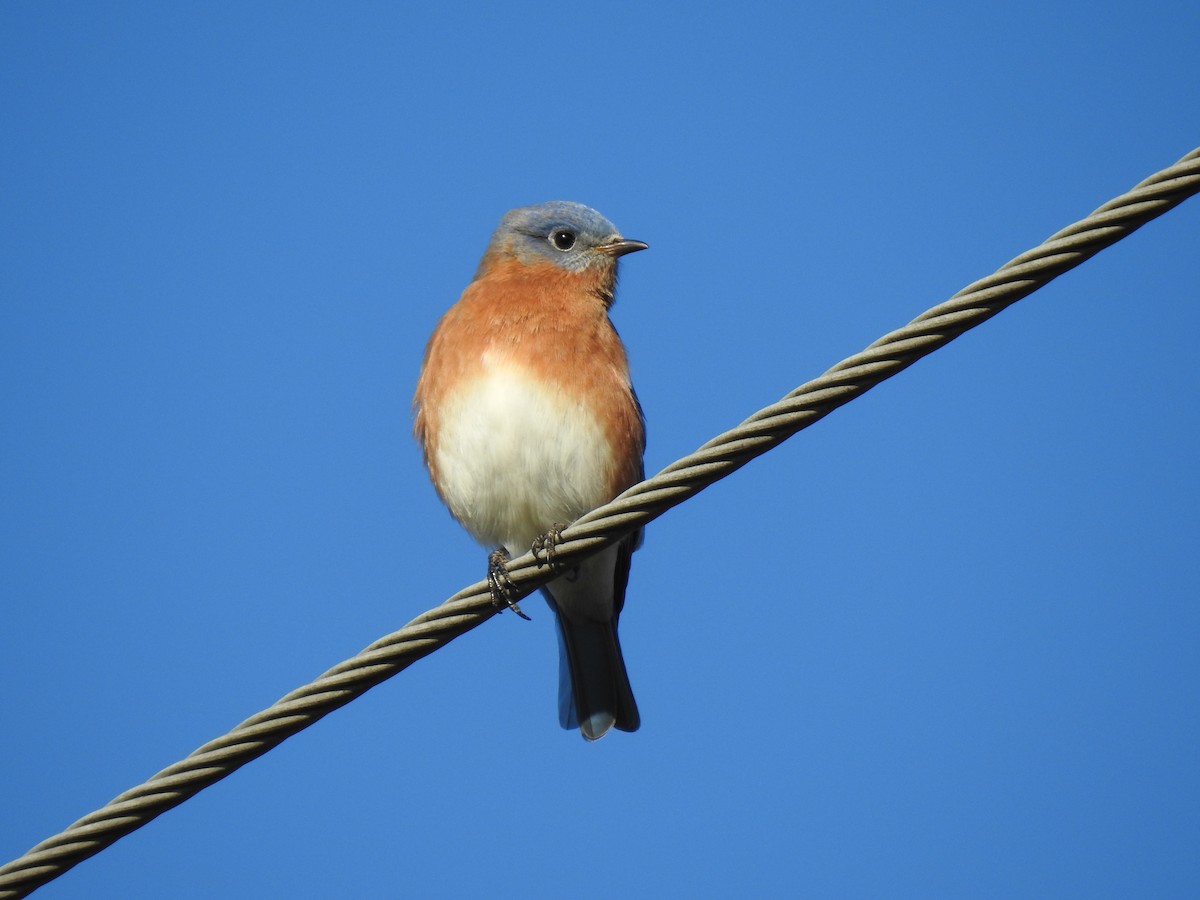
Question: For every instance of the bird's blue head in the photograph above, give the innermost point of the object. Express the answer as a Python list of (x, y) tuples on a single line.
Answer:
[(570, 235)]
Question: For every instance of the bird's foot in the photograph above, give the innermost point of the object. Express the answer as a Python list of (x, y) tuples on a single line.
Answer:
[(500, 585), (545, 545)]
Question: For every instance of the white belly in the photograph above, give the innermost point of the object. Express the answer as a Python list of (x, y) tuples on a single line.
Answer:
[(514, 458)]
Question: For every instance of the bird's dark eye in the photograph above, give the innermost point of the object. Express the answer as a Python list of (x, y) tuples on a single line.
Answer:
[(562, 239)]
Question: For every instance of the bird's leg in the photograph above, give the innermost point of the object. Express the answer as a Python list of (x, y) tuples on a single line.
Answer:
[(500, 585), (544, 545)]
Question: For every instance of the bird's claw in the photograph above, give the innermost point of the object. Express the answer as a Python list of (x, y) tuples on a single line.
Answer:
[(501, 585), (545, 545)]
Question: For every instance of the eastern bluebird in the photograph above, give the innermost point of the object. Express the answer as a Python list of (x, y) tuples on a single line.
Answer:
[(527, 419)]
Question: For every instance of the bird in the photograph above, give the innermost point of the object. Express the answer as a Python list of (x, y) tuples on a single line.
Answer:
[(527, 419)]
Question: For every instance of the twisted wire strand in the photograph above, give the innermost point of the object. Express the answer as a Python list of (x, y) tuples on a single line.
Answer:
[(639, 505)]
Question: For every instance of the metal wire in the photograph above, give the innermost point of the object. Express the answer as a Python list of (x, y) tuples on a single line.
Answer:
[(640, 504)]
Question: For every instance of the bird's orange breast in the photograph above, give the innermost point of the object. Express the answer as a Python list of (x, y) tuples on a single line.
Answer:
[(550, 324)]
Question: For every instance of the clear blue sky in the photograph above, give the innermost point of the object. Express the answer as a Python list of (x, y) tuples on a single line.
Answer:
[(943, 644)]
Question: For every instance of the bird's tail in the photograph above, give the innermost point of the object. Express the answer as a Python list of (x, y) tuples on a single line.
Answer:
[(594, 693)]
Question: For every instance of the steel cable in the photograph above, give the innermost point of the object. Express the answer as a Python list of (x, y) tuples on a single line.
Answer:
[(642, 503)]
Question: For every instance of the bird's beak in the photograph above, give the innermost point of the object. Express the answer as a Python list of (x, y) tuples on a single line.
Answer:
[(620, 247)]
